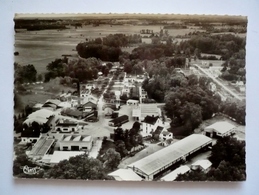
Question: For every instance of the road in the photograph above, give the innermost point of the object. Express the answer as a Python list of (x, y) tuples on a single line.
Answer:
[(219, 83)]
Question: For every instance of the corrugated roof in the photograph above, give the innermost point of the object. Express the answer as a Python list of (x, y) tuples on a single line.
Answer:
[(221, 127), (161, 158), (41, 147), (125, 175), (172, 176)]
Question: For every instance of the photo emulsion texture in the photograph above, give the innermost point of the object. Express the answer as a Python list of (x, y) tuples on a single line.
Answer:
[(129, 97)]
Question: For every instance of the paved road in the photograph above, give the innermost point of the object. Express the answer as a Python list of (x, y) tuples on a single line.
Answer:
[(219, 83)]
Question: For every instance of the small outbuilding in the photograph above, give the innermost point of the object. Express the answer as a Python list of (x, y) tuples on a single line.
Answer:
[(203, 165), (220, 129), (125, 175)]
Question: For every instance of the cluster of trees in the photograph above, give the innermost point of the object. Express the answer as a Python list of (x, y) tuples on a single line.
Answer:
[(234, 68), (236, 110), (125, 140), (78, 167), (187, 107), (103, 52), (228, 163), (24, 74), (81, 69)]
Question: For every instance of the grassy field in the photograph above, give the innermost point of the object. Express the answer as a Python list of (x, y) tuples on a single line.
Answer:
[(41, 47)]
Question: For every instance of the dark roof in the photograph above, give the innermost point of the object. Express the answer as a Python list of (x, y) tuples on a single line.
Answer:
[(30, 133), (119, 119), (70, 112), (150, 119), (158, 130), (90, 103), (66, 124)]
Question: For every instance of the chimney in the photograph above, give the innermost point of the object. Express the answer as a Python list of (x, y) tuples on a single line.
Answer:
[(78, 90)]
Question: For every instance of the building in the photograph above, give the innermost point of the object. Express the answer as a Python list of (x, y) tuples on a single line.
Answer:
[(173, 175), (41, 116), (29, 137), (142, 94), (41, 147), (77, 114), (212, 87), (153, 165), (66, 126), (119, 121), (165, 135), (89, 106), (76, 143), (150, 124), (220, 129), (143, 110), (125, 175), (203, 165)]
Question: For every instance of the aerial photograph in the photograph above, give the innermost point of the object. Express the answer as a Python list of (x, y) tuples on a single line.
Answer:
[(129, 97)]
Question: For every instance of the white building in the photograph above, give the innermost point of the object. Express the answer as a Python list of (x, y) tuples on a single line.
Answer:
[(76, 143), (150, 124), (66, 126), (125, 175), (204, 165), (220, 129), (173, 175)]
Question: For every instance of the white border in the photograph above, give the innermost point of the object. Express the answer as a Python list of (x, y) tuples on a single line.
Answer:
[(231, 7)]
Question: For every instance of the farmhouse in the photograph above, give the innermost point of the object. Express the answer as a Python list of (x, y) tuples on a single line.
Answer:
[(125, 175), (76, 143), (173, 175), (203, 165), (150, 124), (153, 165), (220, 129)]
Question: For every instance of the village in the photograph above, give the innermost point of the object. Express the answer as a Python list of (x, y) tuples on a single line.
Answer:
[(83, 121)]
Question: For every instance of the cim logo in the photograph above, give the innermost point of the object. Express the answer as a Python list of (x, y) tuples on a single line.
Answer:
[(31, 171)]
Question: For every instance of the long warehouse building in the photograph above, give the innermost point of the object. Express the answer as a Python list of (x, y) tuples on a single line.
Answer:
[(150, 166)]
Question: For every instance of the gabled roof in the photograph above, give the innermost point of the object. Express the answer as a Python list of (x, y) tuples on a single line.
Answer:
[(150, 119)]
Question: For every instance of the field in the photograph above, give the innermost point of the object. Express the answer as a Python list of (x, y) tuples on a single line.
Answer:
[(41, 47)]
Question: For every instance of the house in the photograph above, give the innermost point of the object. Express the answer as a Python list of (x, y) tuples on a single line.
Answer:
[(125, 175), (28, 136), (203, 165), (220, 129), (90, 105), (165, 135), (76, 143), (150, 124), (173, 175), (66, 126)]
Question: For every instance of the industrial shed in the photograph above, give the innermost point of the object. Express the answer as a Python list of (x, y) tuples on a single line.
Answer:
[(156, 163), (173, 175), (220, 129)]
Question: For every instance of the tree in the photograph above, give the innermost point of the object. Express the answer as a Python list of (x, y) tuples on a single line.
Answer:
[(111, 159), (78, 167), (121, 148)]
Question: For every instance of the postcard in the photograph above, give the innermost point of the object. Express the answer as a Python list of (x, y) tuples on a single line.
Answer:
[(130, 97)]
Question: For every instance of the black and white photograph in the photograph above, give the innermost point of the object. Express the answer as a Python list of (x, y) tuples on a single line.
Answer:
[(129, 97)]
